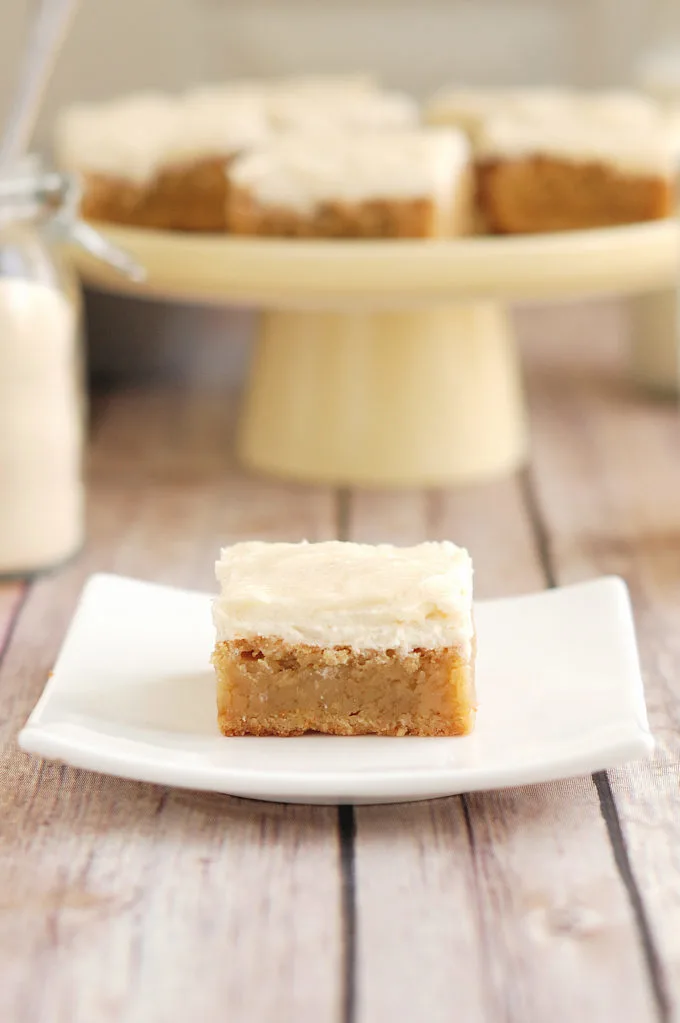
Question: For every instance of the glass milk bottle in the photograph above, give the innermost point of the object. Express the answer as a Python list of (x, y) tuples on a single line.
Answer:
[(42, 393), (41, 396)]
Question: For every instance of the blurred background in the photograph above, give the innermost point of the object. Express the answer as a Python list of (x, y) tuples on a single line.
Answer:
[(115, 47), (123, 45)]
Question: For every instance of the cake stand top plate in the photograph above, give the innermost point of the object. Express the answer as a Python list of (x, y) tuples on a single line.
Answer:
[(301, 272)]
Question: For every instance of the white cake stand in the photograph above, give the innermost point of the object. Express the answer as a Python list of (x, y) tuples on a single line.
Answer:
[(389, 363)]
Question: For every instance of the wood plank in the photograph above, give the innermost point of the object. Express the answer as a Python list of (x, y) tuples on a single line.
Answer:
[(607, 478), (12, 594), (128, 902), (500, 906)]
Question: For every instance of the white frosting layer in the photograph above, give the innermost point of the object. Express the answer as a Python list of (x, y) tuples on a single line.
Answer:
[(469, 107), (616, 107), (643, 148), (125, 138), (133, 137), (299, 171), (672, 121), (301, 109), (213, 124), (347, 594)]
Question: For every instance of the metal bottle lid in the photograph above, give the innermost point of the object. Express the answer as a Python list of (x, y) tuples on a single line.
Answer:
[(55, 199)]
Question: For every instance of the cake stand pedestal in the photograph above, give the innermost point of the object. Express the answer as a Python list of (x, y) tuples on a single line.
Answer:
[(429, 396), (655, 341), (389, 363)]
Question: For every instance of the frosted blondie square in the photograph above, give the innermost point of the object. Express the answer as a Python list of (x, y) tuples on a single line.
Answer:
[(344, 638), (591, 168), (410, 183)]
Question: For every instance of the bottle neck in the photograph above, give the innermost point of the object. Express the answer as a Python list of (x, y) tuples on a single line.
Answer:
[(20, 198), (53, 200)]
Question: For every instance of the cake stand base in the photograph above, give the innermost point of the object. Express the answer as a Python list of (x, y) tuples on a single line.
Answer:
[(402, 398)]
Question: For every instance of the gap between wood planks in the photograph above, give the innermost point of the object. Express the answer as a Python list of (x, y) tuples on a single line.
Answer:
[(608, 809), (16, 595), (347, 818), (347, 836), (13, 596), (604, 792)]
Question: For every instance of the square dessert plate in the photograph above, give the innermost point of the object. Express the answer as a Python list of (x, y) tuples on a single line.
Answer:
[(133, 695)]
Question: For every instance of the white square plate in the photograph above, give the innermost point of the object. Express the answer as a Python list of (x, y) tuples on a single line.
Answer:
[(133, 694)]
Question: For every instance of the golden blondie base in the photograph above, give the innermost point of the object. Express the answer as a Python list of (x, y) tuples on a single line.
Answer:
[(537, 194), (267, 687), (186, 197), (375, 218)]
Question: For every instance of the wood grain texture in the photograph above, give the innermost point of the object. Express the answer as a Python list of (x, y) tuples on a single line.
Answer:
[(128, 902), (136, 904), (11, 597), (607, 479), (500, 906)]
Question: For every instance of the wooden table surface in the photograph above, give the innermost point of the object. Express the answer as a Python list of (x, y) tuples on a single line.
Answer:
[(128, 902)]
